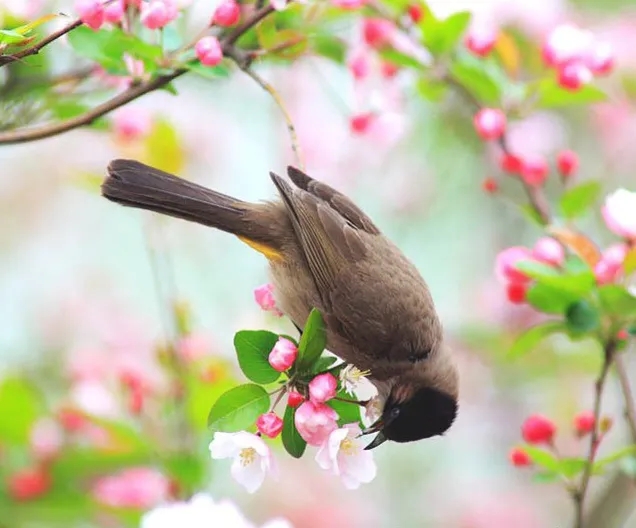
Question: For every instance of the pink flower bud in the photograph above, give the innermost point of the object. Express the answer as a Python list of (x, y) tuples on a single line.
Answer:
[(609, 268), (294, 399), (538, 429), (322, 388), (549, 251), (91, 13), (315, 421), (507, 260), (490, 123), (209, 51), (534, 171), (269, 424), (46, 439), (584, 423), (566, 43), (601, 59), (567, 163), (511, 164), (415, 12), (158, 13), (519, 457), (516, 292), (348, 4), (359, 65), (283, 354), (480, 41), (130, 123), (619, 213), (28, 484), (361, 123), (114, 12), (377, 32), (264, 297), (574, 75), (227, 14)]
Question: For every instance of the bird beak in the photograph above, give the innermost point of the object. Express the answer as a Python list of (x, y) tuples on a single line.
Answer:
[(376, 427)]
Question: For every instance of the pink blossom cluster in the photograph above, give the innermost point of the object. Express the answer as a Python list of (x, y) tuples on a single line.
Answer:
[(317, 423), (154, 14), (577, 56)]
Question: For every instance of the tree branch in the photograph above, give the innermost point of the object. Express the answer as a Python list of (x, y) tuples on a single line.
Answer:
[(579, 495), (35, 49), (134, 92), (628, 395)]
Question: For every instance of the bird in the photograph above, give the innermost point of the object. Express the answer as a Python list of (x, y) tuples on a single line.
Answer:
[(325, 253)]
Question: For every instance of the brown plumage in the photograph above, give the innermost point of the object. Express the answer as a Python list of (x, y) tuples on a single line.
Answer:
[(324, 252)]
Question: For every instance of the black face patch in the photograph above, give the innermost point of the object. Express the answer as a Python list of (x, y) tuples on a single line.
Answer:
[(427, 413)]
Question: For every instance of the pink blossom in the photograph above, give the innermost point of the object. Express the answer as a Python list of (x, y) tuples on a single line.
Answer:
[(360, 64), (252, 458), (573, 75), (135, 67), (264, 297), (481, 39), (507, 260), (114, 12), (269, 424), (344, 455), (193, 346), (565, 43), (323, 388), (91, 13), (227, 14), (283, 354), (378, 32), (601, 59), (158, 13), (315, 421), (46, 439), (534, 170), (130, 122), (348, 4), (548, 250), (490, 123), (209, 51), (619, 213), (609, 268), (139, 488)]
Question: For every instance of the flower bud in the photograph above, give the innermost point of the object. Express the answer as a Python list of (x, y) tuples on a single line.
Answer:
[(283, 354), (269, 424)]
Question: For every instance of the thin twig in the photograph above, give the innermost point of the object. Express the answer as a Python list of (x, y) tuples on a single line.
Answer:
[(628, 395), (35, 49), (293, 136), (580, 494), (125, 97)]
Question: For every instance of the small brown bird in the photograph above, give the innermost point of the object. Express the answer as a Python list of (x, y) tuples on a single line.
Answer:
[(324, 252)]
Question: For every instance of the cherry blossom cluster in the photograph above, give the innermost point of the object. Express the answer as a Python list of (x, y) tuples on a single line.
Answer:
[(539, 430), (577, 56)]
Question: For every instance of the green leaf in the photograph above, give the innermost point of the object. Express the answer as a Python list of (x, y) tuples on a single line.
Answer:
[(578, 200), (578, 282), (542, 458), (11, 36), (20, 405), (252, 349), (627, 451), (324, 363), (532, 337), (629, 264), (431, 89), (107, 47), (551, 95), (476, 81), (549, 299), (616, 300), (312, 342), (571, 467), (330, 47), (451, 30), (209, 72), (347, 412), (401, 59), (582, 317), (238, 408), (292, 441), (545, 477)]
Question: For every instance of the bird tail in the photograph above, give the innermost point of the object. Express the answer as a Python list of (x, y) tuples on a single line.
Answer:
[(135, 184)]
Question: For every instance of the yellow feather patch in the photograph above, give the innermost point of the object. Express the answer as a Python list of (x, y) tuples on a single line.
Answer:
[(269, 252)]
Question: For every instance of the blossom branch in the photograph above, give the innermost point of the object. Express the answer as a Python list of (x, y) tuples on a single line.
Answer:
[(134, 92), (628, 395), (35, 49), (579, 495)]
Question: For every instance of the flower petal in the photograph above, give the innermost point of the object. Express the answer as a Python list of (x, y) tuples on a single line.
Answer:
[(223, 445), (250, 476)]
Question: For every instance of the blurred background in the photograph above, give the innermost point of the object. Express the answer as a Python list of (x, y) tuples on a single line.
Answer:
[(85, 285)]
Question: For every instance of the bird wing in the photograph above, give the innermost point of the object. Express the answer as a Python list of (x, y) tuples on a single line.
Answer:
[(327, 239)]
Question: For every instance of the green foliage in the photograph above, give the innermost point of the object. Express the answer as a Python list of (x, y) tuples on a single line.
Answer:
[(238, 408), (582, 317), (476, 81), (292, 441), (550, 94), (20, 404), (577, 281), (578, 200), (531, 338), (252, 349), (313, 341), (347, 412), (616, 300)]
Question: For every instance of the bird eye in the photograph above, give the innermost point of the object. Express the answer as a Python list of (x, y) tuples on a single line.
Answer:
[(395, 412)]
